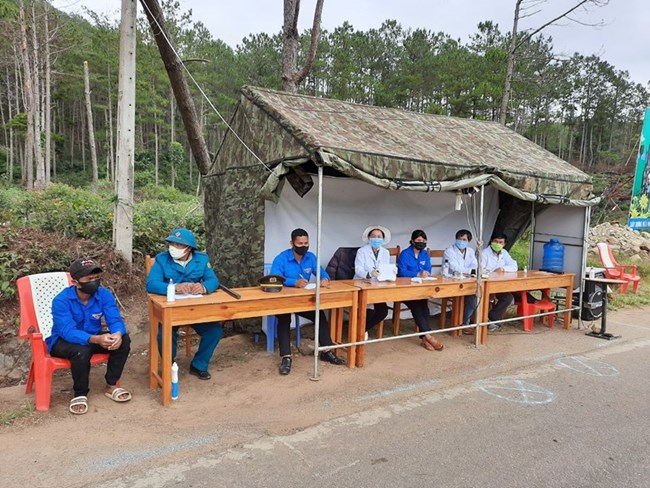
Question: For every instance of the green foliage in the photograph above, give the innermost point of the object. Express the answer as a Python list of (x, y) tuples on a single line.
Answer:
[(8, 418), (520, 251), (77, 212)]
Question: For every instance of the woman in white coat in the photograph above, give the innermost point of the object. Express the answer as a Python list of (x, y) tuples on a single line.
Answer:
[(366, 266)]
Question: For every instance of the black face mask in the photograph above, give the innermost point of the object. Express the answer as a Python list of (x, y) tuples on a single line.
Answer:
[(419, 245), (300, 250), (90, 287)]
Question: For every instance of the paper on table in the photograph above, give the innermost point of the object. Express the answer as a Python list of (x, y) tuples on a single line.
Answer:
[(187, 295), (387, 272)]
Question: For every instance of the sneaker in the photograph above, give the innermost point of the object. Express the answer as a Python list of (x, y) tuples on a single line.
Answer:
[(285, 365), (366, 336), (493, 327)]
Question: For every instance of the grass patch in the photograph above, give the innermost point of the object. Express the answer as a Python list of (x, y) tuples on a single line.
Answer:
[(8, 418)]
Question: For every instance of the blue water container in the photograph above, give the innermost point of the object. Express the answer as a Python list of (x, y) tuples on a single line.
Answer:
[(553, 259)]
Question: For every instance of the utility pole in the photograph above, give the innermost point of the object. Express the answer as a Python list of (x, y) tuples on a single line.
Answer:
[(123, 221)]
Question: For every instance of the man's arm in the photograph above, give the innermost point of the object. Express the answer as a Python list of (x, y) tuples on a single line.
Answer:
[(112, 314), (509, 264), (278, 268), (210, 280), (156, 280)]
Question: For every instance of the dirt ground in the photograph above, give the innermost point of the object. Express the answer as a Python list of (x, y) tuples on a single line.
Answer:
[(247, 399)]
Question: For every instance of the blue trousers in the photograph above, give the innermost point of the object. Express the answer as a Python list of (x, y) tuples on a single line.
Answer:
[(210, 332), (469, 309)]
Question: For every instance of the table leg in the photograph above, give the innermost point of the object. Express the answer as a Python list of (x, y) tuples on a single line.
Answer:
[(153, 348), (353, 331), (166, 358), (568, 303), (360, 326)]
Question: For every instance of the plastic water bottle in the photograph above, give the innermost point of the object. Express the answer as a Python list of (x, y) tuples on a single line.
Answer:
[(525, 270), (171, 291), (174, 381), (445, 269)]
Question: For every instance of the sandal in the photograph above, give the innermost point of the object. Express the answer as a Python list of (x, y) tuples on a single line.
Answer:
[(76, 402), (117, 395), (437, 346), (427, 345)]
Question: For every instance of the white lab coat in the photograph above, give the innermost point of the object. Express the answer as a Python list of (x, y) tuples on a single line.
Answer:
[(459, 263), (492, 260), (365, 262)]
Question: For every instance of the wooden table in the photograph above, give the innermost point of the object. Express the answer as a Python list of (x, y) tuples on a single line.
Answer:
[(220, 306), (523, 281), (402, 290)]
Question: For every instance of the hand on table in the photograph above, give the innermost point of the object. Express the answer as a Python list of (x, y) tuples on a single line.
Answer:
[(301, 283), (325, 283)]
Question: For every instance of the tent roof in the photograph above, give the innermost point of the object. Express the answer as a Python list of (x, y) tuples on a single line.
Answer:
[(398, 149)]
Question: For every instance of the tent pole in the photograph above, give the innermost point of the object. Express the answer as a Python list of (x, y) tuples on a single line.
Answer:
[(531, 244), (316, 374), (585, 246), (479, 270)]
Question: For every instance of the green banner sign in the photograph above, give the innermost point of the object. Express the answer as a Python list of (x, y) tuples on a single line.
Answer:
[(640, 204)]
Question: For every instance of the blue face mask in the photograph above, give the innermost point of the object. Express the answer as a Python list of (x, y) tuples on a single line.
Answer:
[(376, 242), (460, 244)]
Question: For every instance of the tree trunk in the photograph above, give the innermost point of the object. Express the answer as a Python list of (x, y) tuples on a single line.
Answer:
[(10, 160), (123, 220), (48, 96), (292, 77), (29, 101), (156, 162), (39, 183), (179, 85), (91, 128), (510, 67)]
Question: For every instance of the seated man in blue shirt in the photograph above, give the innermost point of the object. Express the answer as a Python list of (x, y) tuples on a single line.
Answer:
[(497, 260), (462, 259), (297, 265), (190, 272), (77, 333)]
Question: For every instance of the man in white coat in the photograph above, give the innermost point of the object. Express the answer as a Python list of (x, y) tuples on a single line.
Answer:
[(497, 260), (462, 259)]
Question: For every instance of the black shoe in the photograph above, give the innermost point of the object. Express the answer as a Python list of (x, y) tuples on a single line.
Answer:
[(330, 357), (285, 365), (202, 375)]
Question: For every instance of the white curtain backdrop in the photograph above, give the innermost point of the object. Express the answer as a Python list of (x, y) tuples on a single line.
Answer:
[(349, 206)]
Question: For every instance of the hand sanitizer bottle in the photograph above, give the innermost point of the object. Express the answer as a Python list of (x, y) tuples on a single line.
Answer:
[(445, 269), (171, 291), (174, 381)]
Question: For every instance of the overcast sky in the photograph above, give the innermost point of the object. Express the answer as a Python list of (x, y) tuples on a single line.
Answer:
[(623, 40)]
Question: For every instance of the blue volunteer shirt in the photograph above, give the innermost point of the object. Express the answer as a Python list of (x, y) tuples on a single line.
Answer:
[(197, 270), (76, 323), (409, 266), (285, 264)]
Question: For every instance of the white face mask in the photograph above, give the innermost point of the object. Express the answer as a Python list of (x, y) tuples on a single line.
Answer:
[(177, 253)]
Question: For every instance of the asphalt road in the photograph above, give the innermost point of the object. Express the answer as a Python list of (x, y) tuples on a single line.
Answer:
[(563, 421)]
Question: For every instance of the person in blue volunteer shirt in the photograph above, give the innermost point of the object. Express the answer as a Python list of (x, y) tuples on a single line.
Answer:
[(497, 260), (297, 265), (462, 259), (366, 266), (414, 261), (191, 272), (78, 333)]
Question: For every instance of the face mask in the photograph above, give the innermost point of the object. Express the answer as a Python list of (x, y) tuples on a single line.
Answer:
[(376, 241), (496, 247), (419, 245), (90, 287), (177, 253), (300, 250), (460, 244)]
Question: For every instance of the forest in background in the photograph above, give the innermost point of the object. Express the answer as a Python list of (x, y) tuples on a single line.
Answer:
[(580, 107)]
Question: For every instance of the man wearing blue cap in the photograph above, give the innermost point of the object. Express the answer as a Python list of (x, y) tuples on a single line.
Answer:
[(190, 272)]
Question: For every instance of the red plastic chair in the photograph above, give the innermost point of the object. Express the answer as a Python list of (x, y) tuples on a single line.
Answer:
[(616, 271), (544, 305), (36, 293)]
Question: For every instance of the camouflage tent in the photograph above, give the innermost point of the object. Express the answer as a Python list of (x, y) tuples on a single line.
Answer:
[(280, 136)]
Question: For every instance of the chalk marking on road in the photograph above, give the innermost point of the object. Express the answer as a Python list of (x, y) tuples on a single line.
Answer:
[(400, 389), (517, 390), (341, 468), (175, 472), (585, 365)]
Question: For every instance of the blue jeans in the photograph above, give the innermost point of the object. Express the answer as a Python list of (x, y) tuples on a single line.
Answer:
[(210, 332), (470, 308)]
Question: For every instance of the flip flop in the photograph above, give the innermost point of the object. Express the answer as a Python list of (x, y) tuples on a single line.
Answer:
[(116, 393), (437, 346), (75, 402)]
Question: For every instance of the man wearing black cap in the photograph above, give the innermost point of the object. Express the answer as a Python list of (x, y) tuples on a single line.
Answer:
[(296, 265), (78, 333), (190, 272)]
